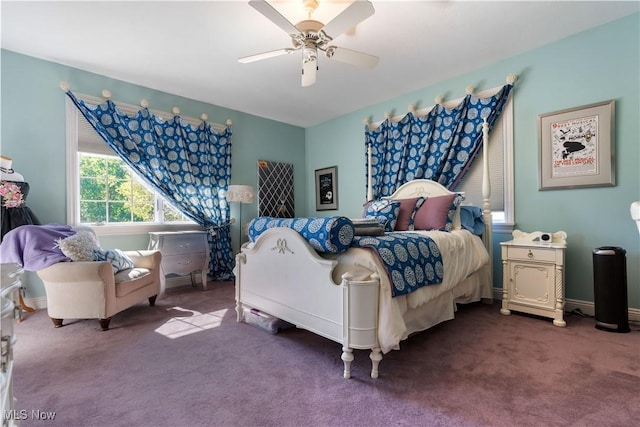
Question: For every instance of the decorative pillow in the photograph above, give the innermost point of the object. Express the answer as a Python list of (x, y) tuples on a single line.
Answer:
[(408, 209), (385, 212), (79, 247), (332, 234), (437, 213), (119, 261), (471, 219)]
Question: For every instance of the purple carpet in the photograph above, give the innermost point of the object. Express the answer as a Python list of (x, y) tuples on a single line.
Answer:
[(186, 362)]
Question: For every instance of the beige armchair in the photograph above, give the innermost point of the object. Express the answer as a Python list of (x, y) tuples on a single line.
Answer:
[(91, 290)]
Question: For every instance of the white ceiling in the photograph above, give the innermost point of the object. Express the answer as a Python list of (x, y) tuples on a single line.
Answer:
[(191, 48)]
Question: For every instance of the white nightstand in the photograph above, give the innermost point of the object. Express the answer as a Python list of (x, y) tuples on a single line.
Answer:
[(533, 275), (183, 252)]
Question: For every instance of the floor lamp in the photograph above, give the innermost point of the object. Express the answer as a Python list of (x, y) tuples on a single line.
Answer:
[(240, 194)]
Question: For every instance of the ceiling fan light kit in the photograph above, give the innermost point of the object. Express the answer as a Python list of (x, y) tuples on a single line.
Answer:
[(311, 36)]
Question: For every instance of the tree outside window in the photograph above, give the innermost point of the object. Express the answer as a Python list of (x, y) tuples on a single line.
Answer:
[(110, 193)]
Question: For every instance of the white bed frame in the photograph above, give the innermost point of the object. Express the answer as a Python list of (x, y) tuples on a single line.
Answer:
[(282, 275)]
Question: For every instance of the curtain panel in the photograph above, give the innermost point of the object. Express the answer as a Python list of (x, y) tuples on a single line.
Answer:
[(439, 146), (191, 166)]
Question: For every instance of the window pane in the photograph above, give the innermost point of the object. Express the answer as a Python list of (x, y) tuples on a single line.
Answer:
[(92, 189), (140, 192), (93, 211), (119, 212), (93, 166), (143, 212), (171, 214), (120, 190), (118, 169)]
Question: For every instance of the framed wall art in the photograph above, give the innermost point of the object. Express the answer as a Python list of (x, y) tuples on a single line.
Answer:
[(577, 147), (327, 189)]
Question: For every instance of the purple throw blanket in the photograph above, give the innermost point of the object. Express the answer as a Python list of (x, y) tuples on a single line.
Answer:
[(34, 246)]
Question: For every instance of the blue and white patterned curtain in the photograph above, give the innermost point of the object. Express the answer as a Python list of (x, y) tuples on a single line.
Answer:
[(187, 165), (439, 146)]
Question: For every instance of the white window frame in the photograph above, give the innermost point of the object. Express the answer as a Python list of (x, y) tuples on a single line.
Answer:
[(73, 180)]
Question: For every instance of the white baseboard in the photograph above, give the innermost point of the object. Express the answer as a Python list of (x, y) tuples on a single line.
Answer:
[(39, 303), (586, 307)]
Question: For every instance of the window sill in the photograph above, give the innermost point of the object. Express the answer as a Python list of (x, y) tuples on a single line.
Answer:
[(112, 230), (503, 227)]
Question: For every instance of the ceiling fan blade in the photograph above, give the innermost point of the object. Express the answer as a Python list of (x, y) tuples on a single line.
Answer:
[(309, 70), (274, 16), (353, 57), (265, 55), (355, 13)]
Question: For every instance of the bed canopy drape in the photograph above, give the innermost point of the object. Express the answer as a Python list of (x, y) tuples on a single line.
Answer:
[(191, 166), (439, 146)]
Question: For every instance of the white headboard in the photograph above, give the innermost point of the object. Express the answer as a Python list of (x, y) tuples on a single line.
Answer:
[(420, 187)]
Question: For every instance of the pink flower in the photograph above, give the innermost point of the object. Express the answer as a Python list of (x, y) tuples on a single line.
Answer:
[(11, 195)]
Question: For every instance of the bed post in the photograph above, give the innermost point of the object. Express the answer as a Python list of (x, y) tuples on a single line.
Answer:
[(347, 352), (369, 178), (240, 259), (487, 236), (360, 330)]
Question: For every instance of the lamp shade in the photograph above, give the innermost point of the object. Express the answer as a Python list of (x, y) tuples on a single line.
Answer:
[(240, 194)]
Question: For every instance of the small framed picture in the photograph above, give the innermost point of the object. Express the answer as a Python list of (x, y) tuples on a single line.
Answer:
[(577, 147), (327, 189)]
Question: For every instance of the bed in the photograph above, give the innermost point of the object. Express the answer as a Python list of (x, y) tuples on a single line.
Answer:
[(347, 297)]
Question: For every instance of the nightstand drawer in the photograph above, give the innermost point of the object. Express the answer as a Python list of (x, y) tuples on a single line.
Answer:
[(183, 264), (531, 254), (184, 244)]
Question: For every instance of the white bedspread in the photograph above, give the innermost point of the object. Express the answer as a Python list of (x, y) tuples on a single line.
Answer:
[(462, 254)]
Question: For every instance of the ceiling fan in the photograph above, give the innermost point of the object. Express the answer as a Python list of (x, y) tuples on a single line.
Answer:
[(311, 36)]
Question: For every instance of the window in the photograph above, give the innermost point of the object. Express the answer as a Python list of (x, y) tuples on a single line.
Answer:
[(500, 166), (500, 171), (104, 192), (111, 193)]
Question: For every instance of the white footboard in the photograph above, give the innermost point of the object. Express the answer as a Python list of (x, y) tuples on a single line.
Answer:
[(282, 275)]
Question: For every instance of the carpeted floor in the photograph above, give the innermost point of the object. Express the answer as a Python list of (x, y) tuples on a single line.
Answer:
[(186, 362)]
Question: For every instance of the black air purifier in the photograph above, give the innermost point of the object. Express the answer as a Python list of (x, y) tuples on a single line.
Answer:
[(610, 289)]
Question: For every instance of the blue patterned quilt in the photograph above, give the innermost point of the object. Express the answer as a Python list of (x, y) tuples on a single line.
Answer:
[(412, 260)]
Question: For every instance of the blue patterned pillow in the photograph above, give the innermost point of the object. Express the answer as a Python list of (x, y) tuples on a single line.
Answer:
[(119, 261), (331, 234), (385, 212)]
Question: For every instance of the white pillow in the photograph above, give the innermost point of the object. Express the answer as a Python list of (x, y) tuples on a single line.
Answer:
[(79, 247)]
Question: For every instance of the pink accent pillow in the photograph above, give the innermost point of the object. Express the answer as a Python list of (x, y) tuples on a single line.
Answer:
[(434, 213), (408, 208)]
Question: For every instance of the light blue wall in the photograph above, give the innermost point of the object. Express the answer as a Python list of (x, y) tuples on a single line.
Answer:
[(33, 134), (593, 66)]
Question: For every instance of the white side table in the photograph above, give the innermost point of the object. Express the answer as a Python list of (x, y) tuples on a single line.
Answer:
[(533, 275), (183, 252)]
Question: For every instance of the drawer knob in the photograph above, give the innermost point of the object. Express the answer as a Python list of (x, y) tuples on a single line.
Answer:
[(530, 254)]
